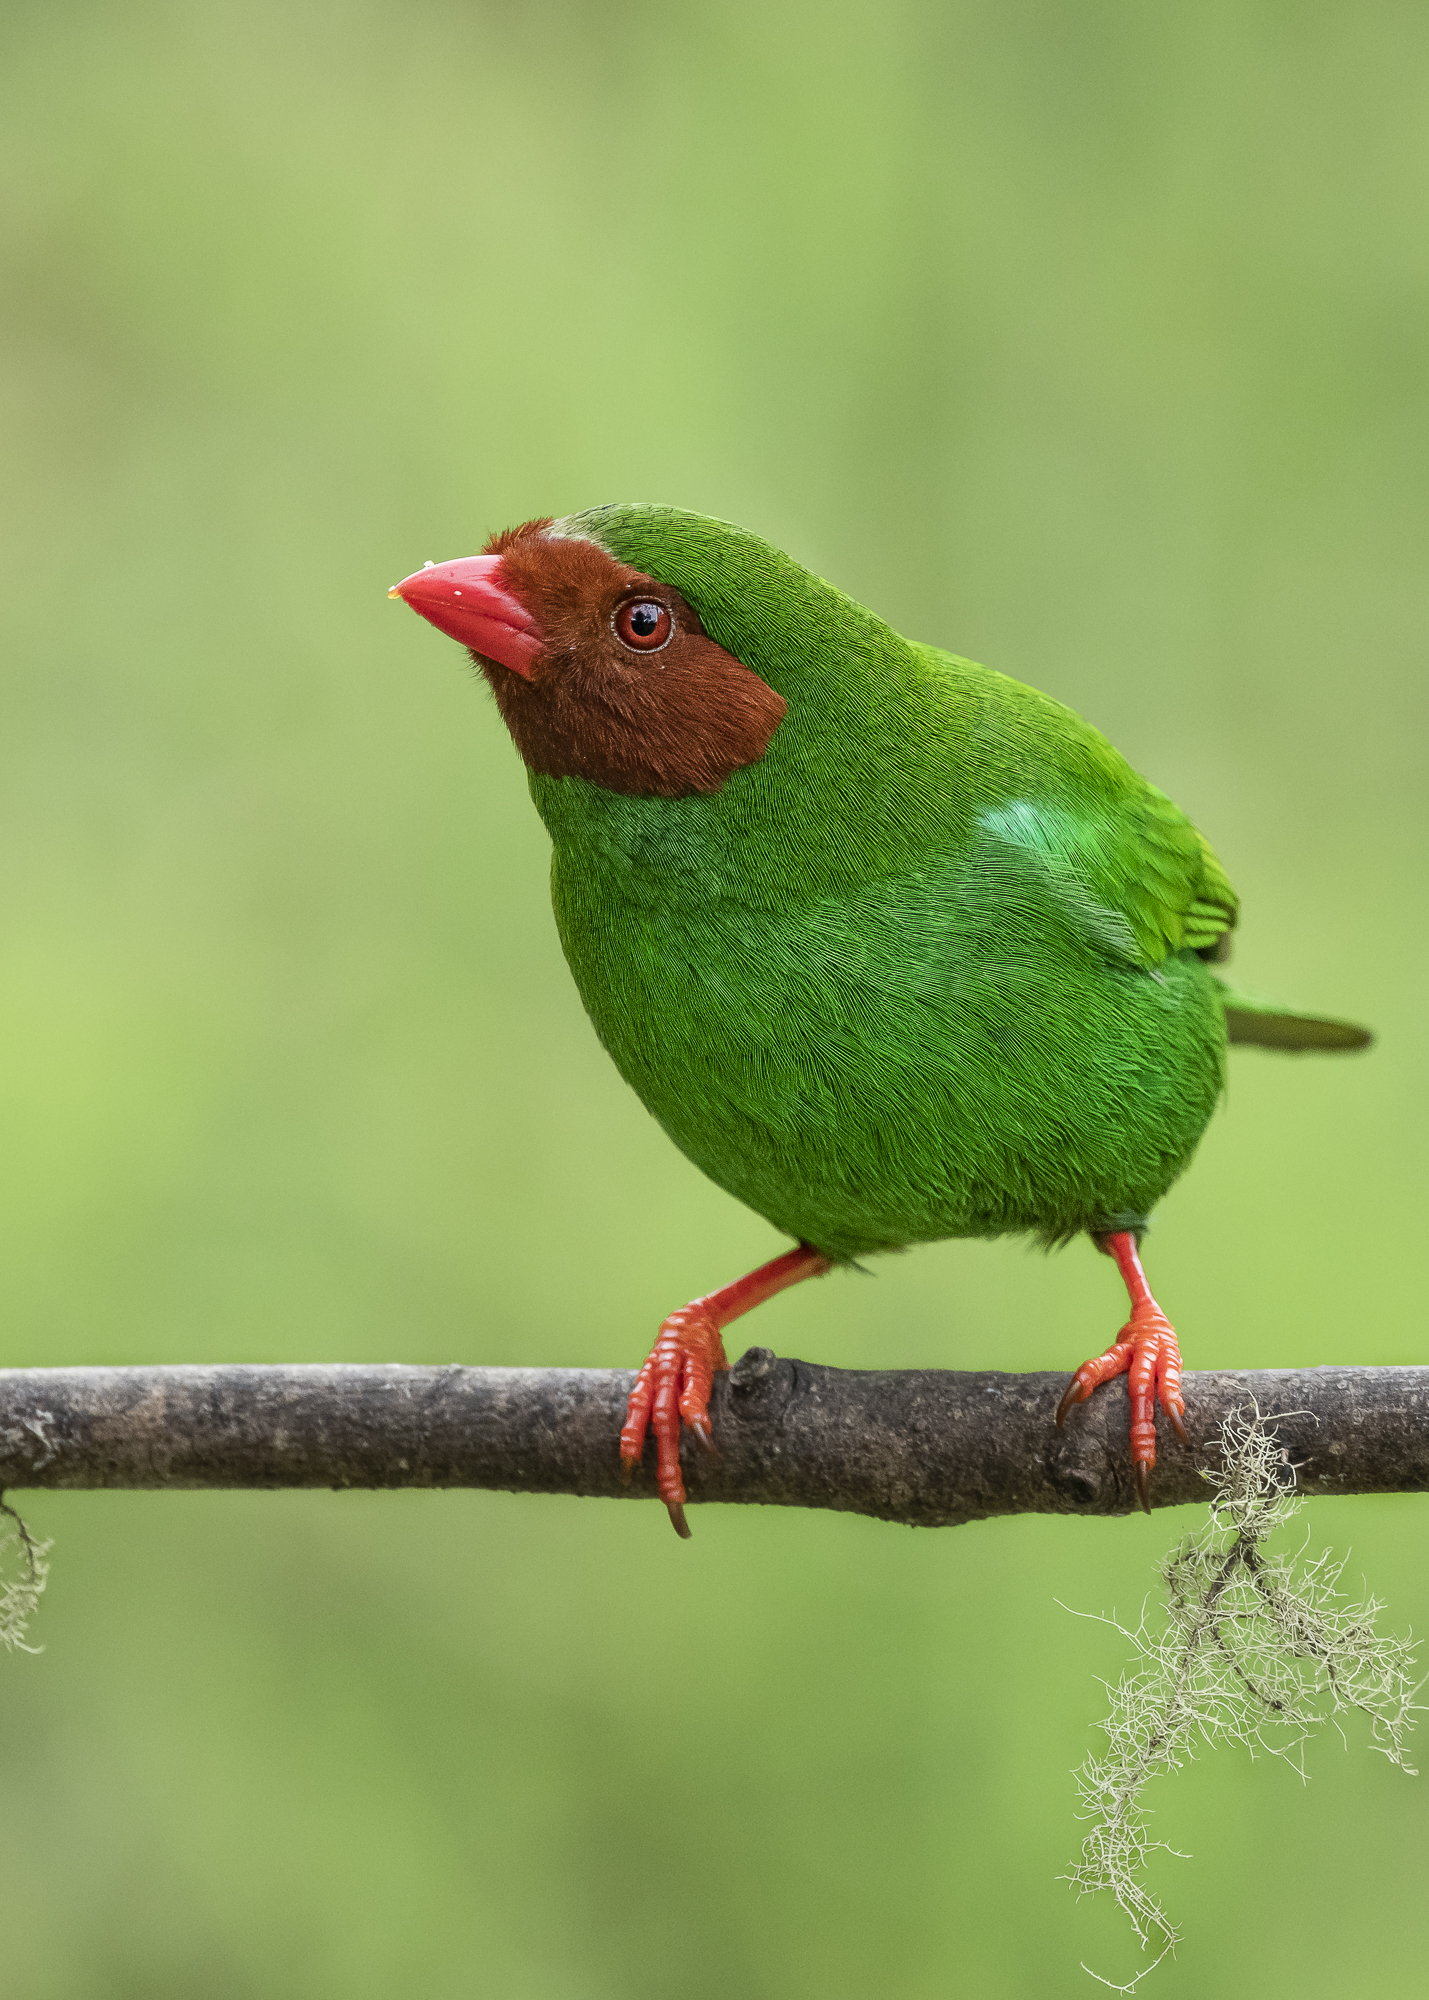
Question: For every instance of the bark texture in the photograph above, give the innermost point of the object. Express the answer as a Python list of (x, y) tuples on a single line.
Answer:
[(929, 1447)]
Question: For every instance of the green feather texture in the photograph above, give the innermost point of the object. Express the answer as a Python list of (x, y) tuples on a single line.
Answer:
[(930, 966)]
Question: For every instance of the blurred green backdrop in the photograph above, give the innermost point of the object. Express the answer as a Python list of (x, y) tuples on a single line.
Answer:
[(1088, 341)]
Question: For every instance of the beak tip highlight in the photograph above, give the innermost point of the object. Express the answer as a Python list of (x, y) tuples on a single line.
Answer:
[(468, 601)]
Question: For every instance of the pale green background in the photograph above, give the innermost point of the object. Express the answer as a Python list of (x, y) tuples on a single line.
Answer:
[(1088, 340)]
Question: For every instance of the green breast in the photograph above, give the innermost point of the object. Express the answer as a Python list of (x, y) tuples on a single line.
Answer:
[(946, 1049)]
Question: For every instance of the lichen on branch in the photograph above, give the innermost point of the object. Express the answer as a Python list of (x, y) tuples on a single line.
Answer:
[(1254, 1648)]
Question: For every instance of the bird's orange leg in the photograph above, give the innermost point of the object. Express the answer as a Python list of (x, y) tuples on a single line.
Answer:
[(680, 1370), (1146, 1349)]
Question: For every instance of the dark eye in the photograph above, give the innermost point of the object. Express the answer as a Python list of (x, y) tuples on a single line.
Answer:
[(643, 624)]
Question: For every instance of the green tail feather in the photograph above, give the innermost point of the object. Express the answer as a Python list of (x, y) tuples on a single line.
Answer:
[(1264, 1025)]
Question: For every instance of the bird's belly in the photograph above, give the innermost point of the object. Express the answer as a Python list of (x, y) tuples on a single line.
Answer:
[(863, 1091)]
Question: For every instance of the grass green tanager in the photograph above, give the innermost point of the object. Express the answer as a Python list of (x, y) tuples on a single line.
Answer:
[(893, 947)]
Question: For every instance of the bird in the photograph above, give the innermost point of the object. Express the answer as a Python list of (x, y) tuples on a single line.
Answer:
[(894, 947)]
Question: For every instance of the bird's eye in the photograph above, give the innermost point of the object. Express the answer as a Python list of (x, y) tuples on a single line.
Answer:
[(643, 624)]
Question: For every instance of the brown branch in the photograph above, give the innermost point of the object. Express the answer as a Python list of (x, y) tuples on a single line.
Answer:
[(925, 1446)]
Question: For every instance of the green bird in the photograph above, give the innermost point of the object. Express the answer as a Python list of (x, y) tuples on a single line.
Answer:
[(894, 947)]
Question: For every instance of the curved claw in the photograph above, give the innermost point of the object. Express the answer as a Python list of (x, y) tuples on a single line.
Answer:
[(627, 1469), (1176, 1424), (678, 1521), (1143, 1484), (701, 1428), (1069, 1397)]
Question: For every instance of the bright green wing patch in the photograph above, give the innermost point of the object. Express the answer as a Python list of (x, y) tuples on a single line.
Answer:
[(1149, 882)]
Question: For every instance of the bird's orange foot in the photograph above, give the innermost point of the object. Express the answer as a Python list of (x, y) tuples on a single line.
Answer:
[(674, 1384), (1146, 1349)]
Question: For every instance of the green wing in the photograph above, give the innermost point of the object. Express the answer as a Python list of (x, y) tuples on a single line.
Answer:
[(1213, 910), (1140, 879), (1146, 883), (1183, 891), (1175, 892), (1126, 863)]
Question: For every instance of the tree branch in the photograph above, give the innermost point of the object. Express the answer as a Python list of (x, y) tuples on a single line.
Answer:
[(929, 1447)]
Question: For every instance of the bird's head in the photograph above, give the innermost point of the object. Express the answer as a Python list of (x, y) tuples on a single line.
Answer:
[(603, 670)]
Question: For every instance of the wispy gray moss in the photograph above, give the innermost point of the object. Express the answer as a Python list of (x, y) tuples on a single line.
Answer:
[(1252, 1648)]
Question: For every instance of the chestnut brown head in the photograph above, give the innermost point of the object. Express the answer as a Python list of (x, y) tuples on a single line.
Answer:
[(600, 671)]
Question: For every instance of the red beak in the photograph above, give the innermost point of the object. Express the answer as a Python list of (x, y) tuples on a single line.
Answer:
[(466, 600)]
